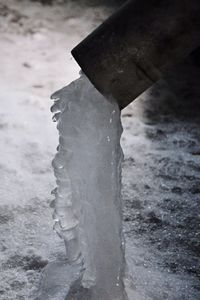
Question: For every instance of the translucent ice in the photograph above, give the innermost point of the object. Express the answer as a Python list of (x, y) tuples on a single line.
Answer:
[(87, 202)]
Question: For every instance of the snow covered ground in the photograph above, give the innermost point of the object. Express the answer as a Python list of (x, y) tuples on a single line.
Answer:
[(161, 180)]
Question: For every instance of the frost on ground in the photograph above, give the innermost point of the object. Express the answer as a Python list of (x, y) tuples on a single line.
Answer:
[(162, 212), (160, 173)]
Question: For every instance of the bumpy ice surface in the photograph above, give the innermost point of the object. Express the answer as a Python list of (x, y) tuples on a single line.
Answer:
[(87, 201)]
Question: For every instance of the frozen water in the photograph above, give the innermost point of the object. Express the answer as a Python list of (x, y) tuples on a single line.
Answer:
[(57, 280), (87, 201)]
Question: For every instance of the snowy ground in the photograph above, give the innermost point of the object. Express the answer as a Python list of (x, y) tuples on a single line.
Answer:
[(161, 179)]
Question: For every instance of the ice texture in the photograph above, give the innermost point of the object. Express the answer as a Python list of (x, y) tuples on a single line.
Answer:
[(87, 205)]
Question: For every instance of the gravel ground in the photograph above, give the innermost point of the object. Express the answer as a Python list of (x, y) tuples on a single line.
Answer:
[(161, 178), (161, 194)]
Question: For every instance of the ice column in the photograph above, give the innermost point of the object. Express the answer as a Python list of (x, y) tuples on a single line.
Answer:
[(87, 167)]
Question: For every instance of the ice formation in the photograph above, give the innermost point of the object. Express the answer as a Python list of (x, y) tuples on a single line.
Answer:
[(87, 205)]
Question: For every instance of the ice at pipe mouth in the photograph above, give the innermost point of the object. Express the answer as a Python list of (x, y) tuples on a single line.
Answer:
[(87, 205)]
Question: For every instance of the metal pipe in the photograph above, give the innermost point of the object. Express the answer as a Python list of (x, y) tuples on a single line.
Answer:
[(133, 48)]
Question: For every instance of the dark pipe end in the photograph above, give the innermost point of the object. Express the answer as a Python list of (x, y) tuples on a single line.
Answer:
[(135, 46)]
